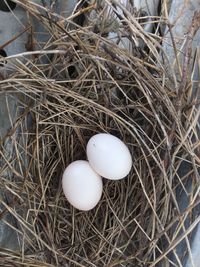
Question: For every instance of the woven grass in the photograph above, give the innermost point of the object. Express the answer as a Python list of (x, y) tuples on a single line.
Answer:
[(79, 84)]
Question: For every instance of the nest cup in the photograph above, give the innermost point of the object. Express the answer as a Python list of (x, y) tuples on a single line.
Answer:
[(78, 83)]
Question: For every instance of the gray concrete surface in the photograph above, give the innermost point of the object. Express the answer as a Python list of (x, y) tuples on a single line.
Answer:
[(8, 238), (141, 8)]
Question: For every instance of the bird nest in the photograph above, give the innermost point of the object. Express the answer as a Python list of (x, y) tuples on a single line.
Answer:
[(82, 83)]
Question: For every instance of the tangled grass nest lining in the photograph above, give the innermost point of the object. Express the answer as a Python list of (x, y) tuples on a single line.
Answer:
[(80, 84)]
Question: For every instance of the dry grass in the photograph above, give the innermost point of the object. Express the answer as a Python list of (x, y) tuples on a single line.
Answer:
[(138, 221)]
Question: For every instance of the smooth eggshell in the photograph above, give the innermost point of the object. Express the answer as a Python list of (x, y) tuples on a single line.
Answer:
[(109, 156), (82, 186)]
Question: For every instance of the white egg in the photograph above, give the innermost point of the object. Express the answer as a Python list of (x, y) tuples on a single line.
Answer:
[(109, 156), (82, 186)]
